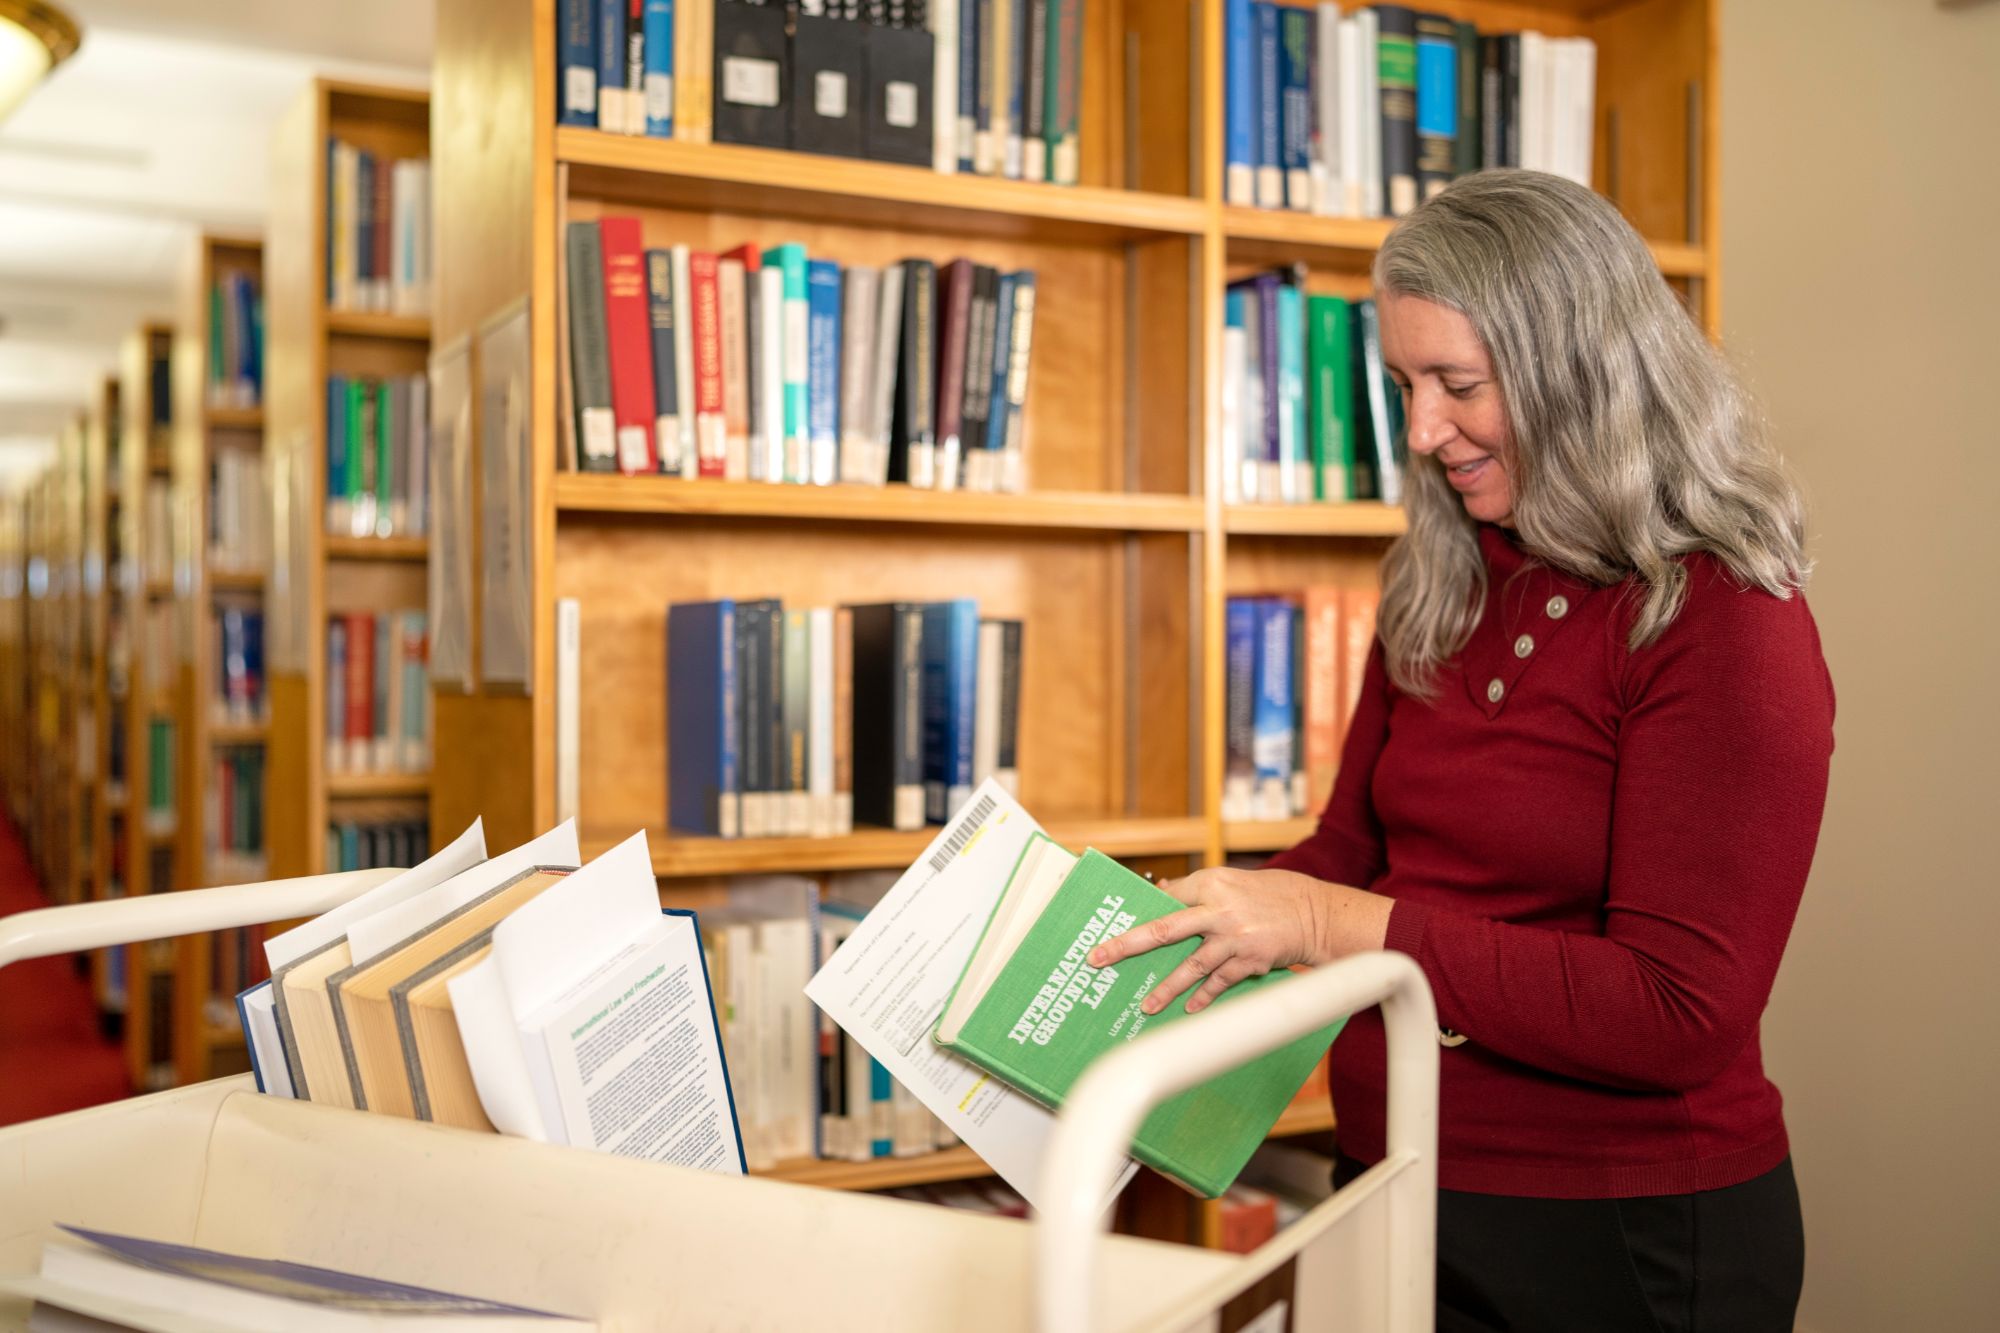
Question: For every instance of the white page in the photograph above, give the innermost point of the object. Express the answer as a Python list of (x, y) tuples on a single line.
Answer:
[(373, 935), (259, 1007), (888, 984), (635, 1057), (466, 850)]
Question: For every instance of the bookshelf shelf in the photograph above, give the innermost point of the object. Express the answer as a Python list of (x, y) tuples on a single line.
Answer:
[(679, 856), (1272, 835), (884, 1173), (238, 733), (1281, 235), (361, 786), (377, 548), (235, 418), (1357, 518), (375, 324), (578, 493), (775, 183), (236, 580)]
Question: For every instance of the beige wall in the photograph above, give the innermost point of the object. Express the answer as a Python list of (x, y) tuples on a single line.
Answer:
[(1861, 258)]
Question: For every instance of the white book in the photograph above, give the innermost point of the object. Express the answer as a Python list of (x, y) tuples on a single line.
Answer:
[(888, 352), (986, 701), (1583, 106), (1368, 36), (1232, 416), (590, 1022), (859, 287), (797, 362), (684, 357), (569, 704), (941, 905), (791, 1037), (819, 725), (1535, 139), (732, 321), (945, 127), (1326, 190)]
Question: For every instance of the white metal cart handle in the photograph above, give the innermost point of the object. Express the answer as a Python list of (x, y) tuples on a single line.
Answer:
[(1109, 1102), (158, 916)]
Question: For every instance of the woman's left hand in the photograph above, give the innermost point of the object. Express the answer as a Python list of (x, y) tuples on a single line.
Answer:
[(1251, 922)]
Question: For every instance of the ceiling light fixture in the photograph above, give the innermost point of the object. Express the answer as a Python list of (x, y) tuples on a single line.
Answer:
[(34, 38)]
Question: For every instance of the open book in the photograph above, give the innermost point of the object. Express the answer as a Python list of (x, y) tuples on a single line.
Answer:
[(1029, 1009)]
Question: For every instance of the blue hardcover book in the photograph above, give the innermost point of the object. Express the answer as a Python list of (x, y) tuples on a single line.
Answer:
[(1270, 151), (1239, 104), (1012, 411), (968, 79), (1239, 773), (1017, 87), (1271, 710), (336, 453), (576, 58), (823, 368), (951, 684), (611, 53), (1294, 468), (1295, 44), (703, 792), (273, 1293), (253, 656), (985, 472), (659, 85), (1437, 103)]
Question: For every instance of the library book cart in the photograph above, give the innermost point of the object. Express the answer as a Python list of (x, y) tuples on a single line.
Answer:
[(642, 1245)]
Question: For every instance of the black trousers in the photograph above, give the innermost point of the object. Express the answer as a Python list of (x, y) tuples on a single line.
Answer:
[(1722, 1261)]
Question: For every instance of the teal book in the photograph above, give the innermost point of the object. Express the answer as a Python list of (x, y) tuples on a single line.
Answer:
[(790, 259), (1031, 1012), (1332, 367)]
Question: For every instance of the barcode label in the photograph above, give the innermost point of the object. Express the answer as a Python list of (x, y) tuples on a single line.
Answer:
[(968, 825)]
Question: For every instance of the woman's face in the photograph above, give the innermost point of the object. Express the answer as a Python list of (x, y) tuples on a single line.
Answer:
[(1452, 401)]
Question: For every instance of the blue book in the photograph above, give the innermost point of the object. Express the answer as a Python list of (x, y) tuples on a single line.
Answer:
[(968, 79), (1294, 469), (1437, 103), (253, 655), (659, 84), (576, 58), (996, 403), (336, 452), (1239, 773), (1009, 409), (1270, 154), (703, 792), (272, 1293), (1239, 104), (1017, 87), (823, 368), (364, 226), (1295, 44), (611, 53), (1271, 710), (951, 684)]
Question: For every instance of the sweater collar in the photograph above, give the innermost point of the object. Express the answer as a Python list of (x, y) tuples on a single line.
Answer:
[(1504, 556)]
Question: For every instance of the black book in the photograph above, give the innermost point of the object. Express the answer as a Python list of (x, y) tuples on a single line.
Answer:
[(752, 718), (981, 327), (913, 437), (1397, 47), (752, 74), (896, 119), (829, 82), (1510, 99), (1492, 102), (1367, 483), (888, 715), (589, 350), (1007, 765)]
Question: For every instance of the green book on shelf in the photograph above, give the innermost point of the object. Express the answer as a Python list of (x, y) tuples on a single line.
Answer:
[(355, 457), (1331, 362), (385, 462), (1030, 1011)]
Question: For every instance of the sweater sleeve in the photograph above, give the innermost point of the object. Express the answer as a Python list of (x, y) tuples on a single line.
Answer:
[(1346, 847), (1723, 753)]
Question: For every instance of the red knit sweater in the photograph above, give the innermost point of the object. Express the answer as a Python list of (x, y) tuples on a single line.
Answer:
[(1596, 856)]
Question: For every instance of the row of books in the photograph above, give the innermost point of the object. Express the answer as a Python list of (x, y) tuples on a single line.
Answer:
[(235, 811), (378, 699), (239, 513), (239, 660), (378, 231), (1294, 667), (991, 87), (778, 367), (367, 842), (806, 722), (1367, 114), (1308, 410), (378, 449), (235, 341)]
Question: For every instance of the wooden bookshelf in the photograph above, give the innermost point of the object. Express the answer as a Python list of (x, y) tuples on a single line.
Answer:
[(219, 423), (318, 572), (105, 787), (1121, 557)]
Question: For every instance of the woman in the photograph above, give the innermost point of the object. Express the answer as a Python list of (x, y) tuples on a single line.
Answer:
[(1581, 788)]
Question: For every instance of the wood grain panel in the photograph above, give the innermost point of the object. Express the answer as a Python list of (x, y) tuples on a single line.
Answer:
[(1648, 55)]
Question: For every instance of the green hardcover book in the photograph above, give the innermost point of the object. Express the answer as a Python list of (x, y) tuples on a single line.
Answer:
[(1330, 364), (385, 463), (1028, 1010), (357, 394)]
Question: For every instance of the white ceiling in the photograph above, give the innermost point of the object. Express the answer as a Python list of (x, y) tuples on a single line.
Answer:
[(157, 128)]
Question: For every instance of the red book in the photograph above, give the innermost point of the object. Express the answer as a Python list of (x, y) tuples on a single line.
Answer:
[(710, 433), (628, 321), (1322, 685), (225, 802), (747, 254), (360, 729)]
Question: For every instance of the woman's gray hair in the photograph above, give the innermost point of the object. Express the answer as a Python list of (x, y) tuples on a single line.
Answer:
[(1633, 441)]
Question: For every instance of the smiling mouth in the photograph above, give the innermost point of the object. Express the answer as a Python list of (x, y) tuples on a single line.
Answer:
[(1468, 468)]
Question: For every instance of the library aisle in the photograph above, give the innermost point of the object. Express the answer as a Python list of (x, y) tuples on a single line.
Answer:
[(53, 1056)]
